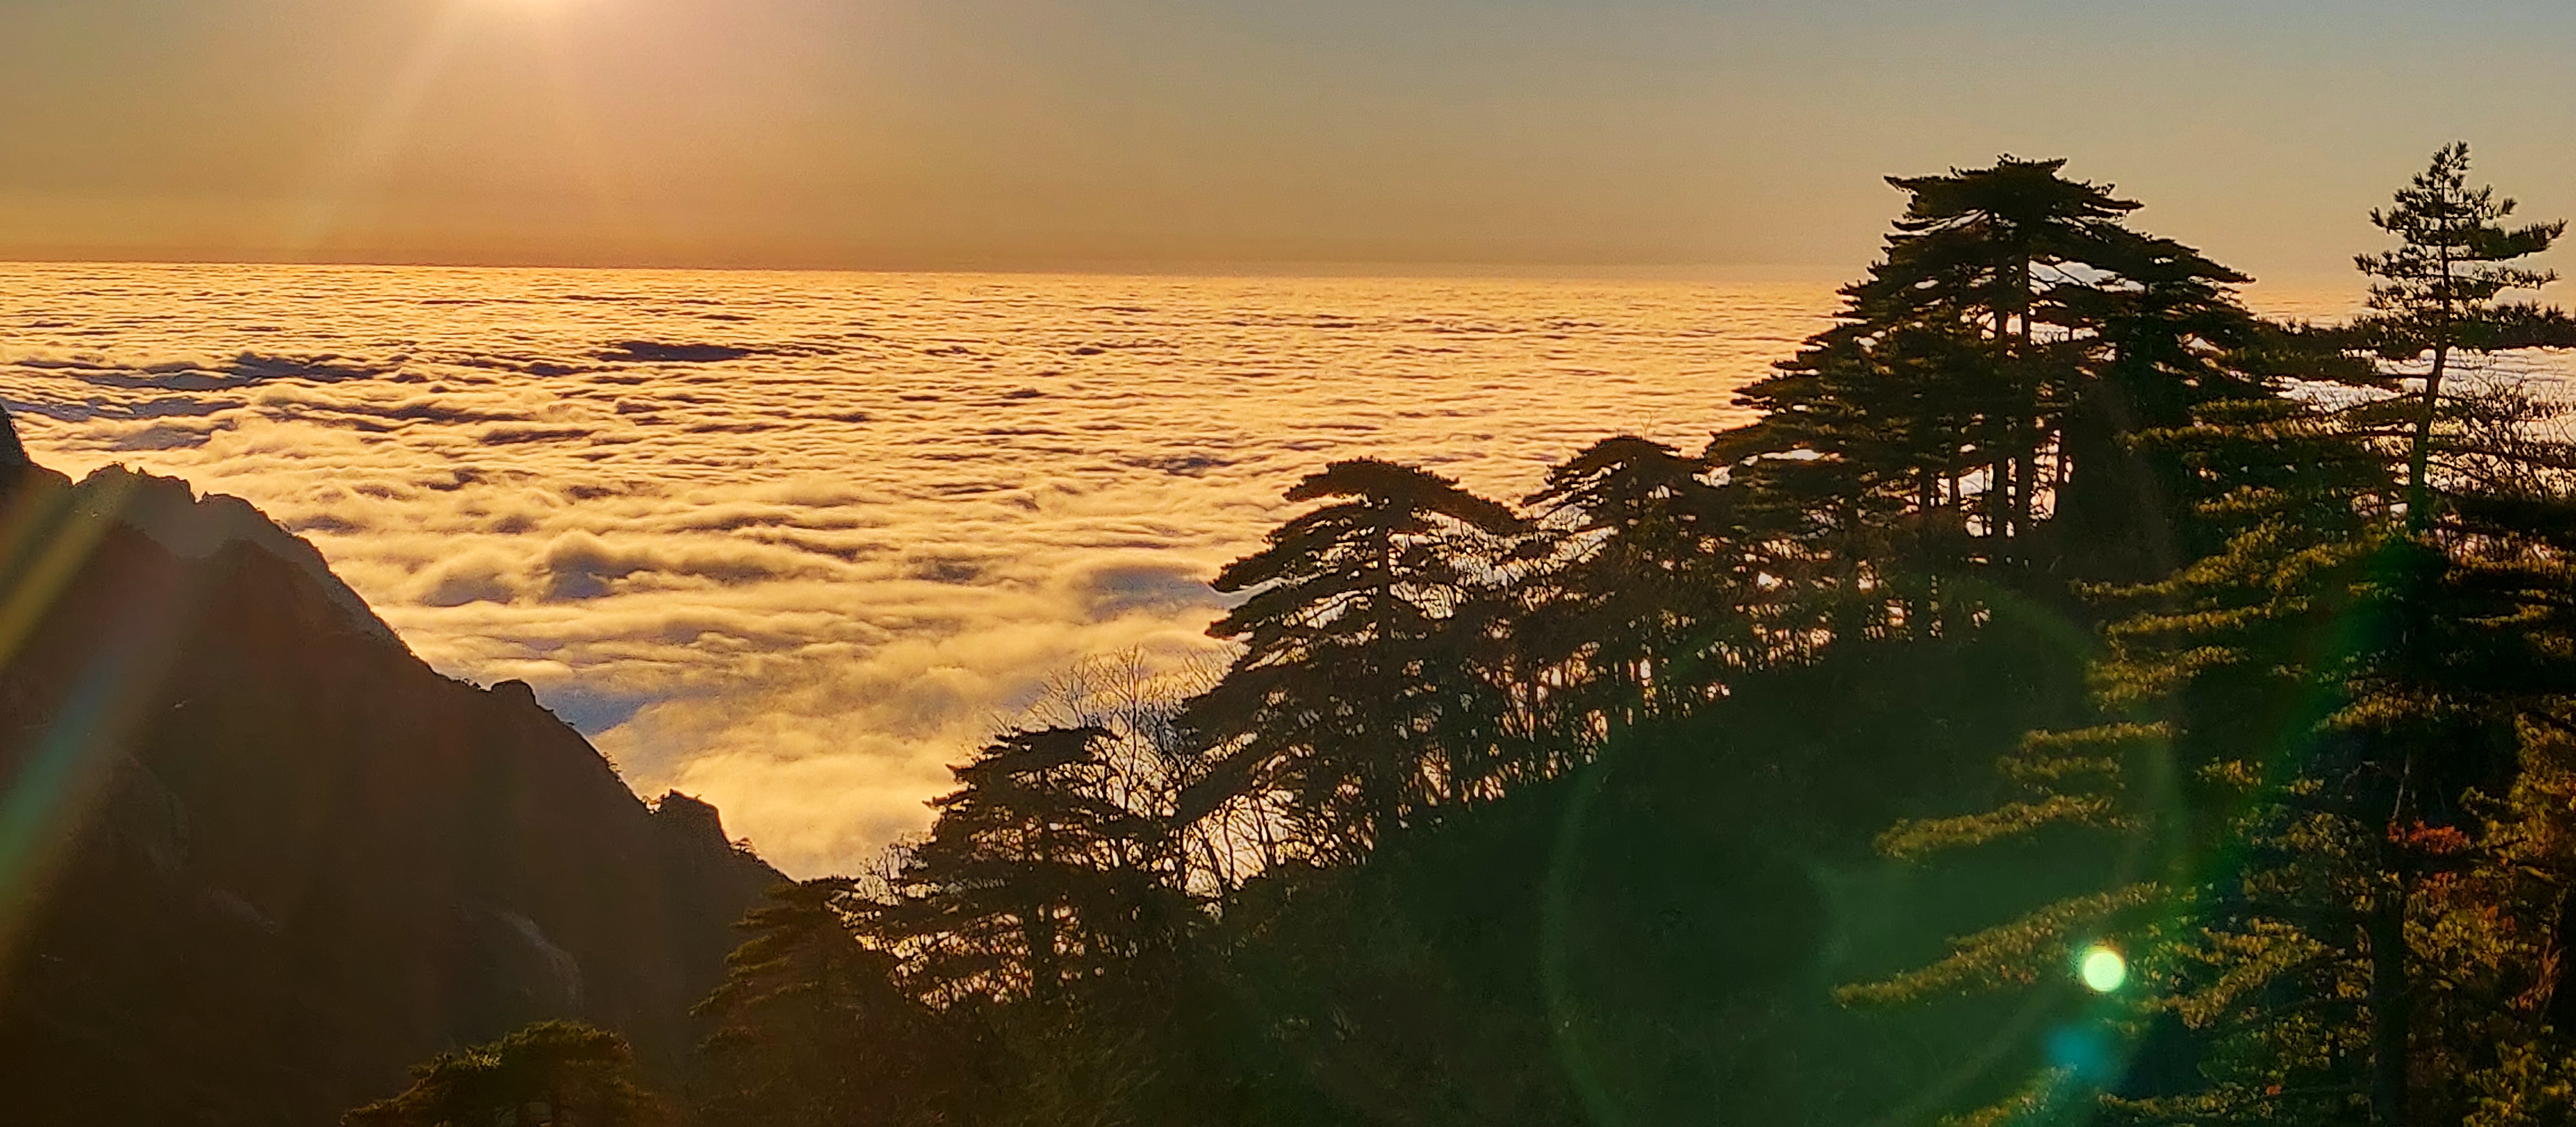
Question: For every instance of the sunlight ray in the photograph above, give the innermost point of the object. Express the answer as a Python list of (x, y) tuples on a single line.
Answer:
[(381, 132)]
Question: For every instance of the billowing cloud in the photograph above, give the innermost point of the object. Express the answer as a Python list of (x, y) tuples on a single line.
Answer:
[(798, 559)]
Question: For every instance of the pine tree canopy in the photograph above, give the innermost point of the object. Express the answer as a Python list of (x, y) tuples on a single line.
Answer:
[(808, 1029), (1638, 611), (553, 1072), (2455, 253), (1973, 242), (1033, 876), (2436, 291), (1356, 657), (1988, 380)]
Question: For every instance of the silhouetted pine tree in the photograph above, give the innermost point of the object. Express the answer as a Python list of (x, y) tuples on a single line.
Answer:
[(1991, 248), (1857, 487), (2436, 292), (560, 1073), (1032, 878), (809, 1029), (1638, 613), (1048, 922), (1985, 377), (2166, 337), (1355, 706)]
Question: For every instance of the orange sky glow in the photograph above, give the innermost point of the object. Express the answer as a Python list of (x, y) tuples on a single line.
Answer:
[(1017, 134)]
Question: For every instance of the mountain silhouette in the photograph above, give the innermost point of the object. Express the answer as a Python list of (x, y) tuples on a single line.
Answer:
[(256, 857)]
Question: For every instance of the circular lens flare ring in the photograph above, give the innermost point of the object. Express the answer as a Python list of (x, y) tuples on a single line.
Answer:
[(2102, 969)]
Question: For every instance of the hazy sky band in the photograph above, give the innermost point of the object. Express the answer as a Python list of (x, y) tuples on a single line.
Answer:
[(1014, 133)]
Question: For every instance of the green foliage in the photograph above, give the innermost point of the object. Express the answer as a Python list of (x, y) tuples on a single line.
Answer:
[(560, 1073), (2318, 747), (2311, 716)]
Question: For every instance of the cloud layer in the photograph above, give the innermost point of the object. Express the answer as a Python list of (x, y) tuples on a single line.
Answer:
[(794, 541)]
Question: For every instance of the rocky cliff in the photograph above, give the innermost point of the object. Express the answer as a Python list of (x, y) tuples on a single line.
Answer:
[(256, 858)]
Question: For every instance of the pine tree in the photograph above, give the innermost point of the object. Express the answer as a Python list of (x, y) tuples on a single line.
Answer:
[(1635, 616), (556, 1073), (1032, 878), (808, 1029), (1855, 489), (1048, 923), (1989, 248), (1352, 707), (2334, 745), (1986, 377), (2436, 292), (2168, 337)]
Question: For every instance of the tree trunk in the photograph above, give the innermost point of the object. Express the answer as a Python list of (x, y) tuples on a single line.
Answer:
[(2419, 507), (2025, 446), (1037, 931), (2390, 1010), (1387, 782), (1038, 928), (2026, 485), (1998, 483)]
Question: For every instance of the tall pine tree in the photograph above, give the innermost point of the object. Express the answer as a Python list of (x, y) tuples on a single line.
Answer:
[(808, 1029), (1033, 877), (2436, 292), (1635, 615), (1987, 377), (1354, 709)]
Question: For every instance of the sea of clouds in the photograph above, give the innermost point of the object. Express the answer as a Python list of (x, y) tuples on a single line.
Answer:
[(794, 542)]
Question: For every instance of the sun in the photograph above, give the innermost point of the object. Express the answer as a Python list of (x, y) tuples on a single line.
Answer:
[(523, 11), (530, 7)]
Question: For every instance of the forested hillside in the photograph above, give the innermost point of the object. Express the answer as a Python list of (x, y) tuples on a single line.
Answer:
[(2074, 699)]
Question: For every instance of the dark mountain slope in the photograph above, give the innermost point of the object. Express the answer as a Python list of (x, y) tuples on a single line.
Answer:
[(256, 857), (1655, 938)]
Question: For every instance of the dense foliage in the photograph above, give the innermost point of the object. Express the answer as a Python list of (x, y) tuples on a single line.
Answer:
[(553, 1072)]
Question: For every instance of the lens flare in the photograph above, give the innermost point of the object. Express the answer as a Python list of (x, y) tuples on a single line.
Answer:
[(2103, 970)]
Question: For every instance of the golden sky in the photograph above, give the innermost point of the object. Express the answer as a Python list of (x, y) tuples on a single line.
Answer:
[(1040, 133)]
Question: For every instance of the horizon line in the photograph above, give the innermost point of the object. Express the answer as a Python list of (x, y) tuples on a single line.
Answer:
[(1141, 266), (1499, 269)]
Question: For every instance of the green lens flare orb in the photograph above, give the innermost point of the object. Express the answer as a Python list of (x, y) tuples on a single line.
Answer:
[(2103, 970)]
